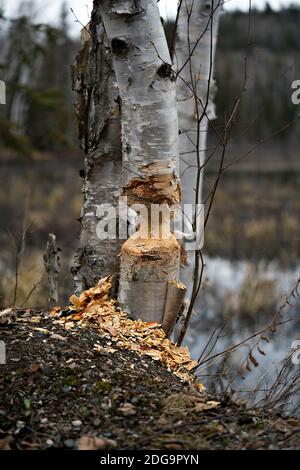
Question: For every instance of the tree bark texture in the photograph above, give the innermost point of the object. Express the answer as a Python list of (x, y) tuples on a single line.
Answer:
[(99, 129), (195, 52), (147, 88), (52, 266)]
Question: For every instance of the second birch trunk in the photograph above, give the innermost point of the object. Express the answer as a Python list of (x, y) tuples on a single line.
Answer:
[(195, 52)]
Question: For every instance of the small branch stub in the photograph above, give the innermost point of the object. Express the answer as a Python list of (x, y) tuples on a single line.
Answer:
[(52, 266), (119, 46), (166, 71)]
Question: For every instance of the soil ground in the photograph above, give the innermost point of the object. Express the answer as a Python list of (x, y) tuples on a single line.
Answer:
[(60, 388)]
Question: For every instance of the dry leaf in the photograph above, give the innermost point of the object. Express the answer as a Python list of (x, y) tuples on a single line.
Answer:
[(55, 310), (41, 330), (209, 405), (110, 329), (103, 349), (199, 386), (75, 301), (128, 409), (5, 312), (35, 319), (5, 443), (33, 368), (95, 443)]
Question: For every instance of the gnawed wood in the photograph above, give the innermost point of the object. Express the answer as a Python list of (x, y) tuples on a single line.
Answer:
[(158, 188), (174, 300), (146, 267)]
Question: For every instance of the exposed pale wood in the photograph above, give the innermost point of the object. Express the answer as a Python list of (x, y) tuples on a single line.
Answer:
[(146, 268)]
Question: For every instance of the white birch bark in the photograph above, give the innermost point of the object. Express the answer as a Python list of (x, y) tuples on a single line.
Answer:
[(99, 131), (197, 74), (150, 146)]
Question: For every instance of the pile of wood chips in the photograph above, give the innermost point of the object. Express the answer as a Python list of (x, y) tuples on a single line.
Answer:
[(94, 309)]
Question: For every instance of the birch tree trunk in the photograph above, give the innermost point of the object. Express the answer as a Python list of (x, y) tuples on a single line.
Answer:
[(99, 131), (150, 147), (195, 51)]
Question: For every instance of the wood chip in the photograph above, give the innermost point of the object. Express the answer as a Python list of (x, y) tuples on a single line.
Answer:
[(93, 309)]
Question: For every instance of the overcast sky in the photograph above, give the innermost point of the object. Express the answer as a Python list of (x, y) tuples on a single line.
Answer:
[(48, 9)]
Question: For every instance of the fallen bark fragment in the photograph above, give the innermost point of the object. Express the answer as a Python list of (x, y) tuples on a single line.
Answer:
[(174, 299)]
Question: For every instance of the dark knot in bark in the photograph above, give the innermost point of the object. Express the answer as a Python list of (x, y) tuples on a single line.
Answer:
[(166, 71), (119, 46), (206, 8)]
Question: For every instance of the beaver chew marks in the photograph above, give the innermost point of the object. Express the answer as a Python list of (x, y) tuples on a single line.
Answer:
[(154, 189), (150, 264)]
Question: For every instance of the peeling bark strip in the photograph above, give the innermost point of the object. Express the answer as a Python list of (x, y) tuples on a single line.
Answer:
[(150, 146), (174, 300), (196, 36), (99, 132), (52, 266)]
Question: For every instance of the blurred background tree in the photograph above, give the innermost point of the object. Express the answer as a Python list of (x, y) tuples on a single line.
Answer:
[(34, 62)]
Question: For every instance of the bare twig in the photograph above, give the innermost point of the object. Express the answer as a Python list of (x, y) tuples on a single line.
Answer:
[(271, 326), (32, 290)]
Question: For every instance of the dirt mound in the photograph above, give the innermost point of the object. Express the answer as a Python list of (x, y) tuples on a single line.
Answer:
[(94, 309), (73, 388)]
